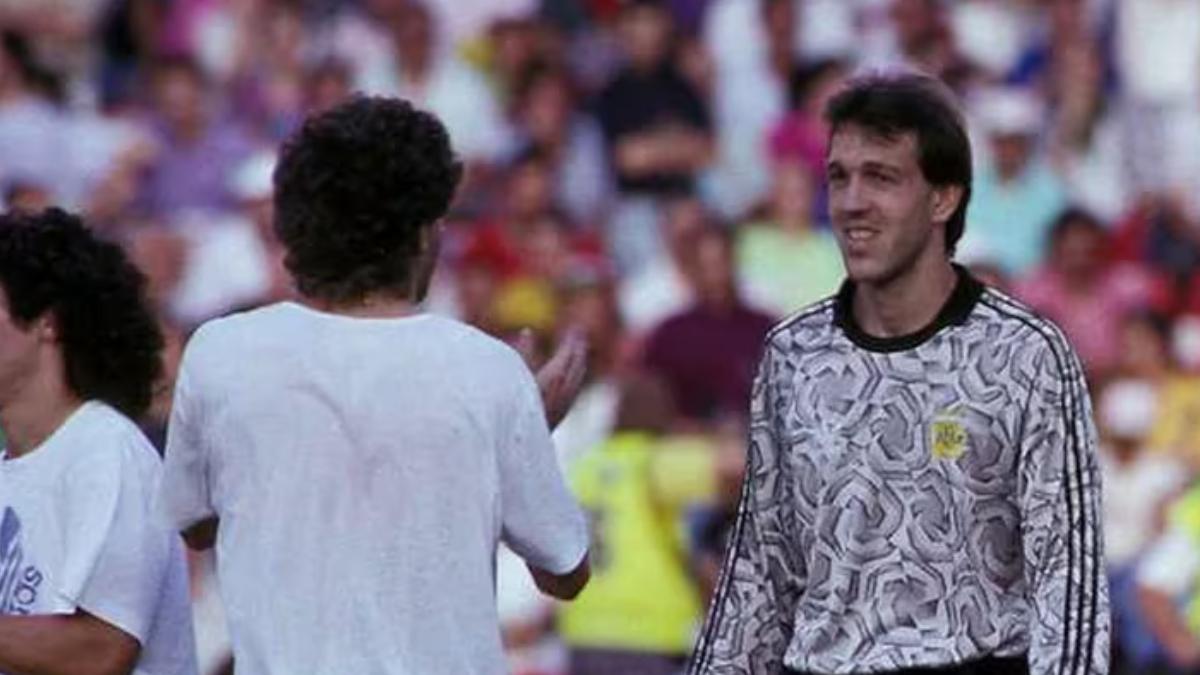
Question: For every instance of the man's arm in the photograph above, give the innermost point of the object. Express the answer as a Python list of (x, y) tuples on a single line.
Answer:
[(185, 496), (749, 624), (541, 521), (1059, 499), (561, 378), (72, 644), (562, 586)]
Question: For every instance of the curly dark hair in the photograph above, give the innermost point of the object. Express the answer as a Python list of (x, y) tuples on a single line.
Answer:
[(892, 104), (111, 342), (354, 189)]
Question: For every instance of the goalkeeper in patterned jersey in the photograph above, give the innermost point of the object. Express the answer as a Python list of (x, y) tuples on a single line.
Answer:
[(922, 493)]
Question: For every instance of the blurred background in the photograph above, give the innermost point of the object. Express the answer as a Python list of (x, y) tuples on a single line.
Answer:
[(653, 170)]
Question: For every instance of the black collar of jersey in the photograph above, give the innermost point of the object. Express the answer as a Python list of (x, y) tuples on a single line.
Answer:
[(956, 310)]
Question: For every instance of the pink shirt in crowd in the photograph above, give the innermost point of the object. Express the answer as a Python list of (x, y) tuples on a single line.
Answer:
[(1092, 320)]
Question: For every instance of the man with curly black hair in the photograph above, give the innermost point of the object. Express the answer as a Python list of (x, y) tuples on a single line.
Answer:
[(89, 581), (356, 461)]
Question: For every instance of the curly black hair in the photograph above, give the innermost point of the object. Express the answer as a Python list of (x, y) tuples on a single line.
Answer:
[(354, 189), (111, 342)]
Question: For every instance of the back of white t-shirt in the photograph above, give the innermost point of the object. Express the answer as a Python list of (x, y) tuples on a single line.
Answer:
[(78, 530), (363, 471)]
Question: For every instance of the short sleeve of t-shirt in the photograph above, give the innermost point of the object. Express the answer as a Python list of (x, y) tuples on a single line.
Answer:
[(116, 554), (185, 497), (541, 521)]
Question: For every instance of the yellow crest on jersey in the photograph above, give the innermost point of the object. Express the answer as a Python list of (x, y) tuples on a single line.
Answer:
[(948, 437)]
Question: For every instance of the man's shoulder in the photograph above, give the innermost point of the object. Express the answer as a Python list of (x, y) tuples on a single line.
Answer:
[(100, 440), (1002, 317), (238, 325), (806, 327)]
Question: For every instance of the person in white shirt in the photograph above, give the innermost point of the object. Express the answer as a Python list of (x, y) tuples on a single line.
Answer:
[(355, 461), (91, 582)]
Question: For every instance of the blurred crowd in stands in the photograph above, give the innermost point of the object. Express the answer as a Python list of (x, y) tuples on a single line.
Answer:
[(653, 171)]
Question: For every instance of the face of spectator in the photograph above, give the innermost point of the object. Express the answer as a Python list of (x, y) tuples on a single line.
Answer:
[(476, 290), (593, 309), (714, 270), (545, 248), (180, 99), (1078, 253), (327, 88), (529, 191), (916, 23), (681, 222), (824, 89), (888, 219), (414, 36), (515, 45), (645, 33), (29, 199), (285, 34), (1010, 153), (546, 110), (779, 22), (792, 192), (1144, 348), (1067, 18)]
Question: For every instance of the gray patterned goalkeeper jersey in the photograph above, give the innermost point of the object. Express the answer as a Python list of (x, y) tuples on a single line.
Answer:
[(914, 502)]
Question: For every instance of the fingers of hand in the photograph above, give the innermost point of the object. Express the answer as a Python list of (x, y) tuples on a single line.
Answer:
[(526, 346)]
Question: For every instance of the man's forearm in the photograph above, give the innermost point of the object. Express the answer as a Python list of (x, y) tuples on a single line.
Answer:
[(77, 644)]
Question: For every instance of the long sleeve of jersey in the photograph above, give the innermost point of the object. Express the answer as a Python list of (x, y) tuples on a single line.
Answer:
[(1059, 498), (749, 624)]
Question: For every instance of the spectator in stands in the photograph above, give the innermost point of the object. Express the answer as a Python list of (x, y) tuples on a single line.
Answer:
[(927, 42), (750, 95), (588, 301), (197, 148), (657, 128), (803, 134), (707, 353), (661, 288), (1138, 482), (547, 121), (327, 83), (642, 607), (1164, 231), (31, 127), (784, 260), (425, 71), (1017, 195), (1166, 583), (1088, 295)]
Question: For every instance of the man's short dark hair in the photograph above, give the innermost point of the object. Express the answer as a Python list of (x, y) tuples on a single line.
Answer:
[(354, 189), (50, 263), (894, 104)]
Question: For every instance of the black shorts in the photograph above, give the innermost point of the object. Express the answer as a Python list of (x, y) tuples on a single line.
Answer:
[(1014, 665)]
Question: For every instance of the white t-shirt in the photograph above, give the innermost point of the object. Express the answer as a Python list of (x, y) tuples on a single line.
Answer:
[(78, 531), (364, 471)]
